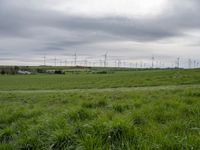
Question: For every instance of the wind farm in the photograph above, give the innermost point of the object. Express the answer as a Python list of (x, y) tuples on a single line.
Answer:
[(99, 75)]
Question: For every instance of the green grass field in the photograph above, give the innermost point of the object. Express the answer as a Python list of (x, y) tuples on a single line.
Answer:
[(152, 109), (111, 80)]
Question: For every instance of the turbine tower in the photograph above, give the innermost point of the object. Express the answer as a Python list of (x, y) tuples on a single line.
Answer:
[(119, 62), (55, 61), (178, 62), (189, 63), (44, 60), (152, 65), (105, 59), (75, 59)]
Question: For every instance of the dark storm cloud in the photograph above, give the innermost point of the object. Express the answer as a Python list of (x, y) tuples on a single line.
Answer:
[(53, 30)]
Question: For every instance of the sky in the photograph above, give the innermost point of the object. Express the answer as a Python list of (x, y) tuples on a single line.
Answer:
[(127, 30)]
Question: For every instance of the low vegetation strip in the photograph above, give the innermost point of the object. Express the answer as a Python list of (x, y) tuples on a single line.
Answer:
[(146, 88)]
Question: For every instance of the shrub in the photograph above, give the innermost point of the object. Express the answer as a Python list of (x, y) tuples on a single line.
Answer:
[(3, 72)]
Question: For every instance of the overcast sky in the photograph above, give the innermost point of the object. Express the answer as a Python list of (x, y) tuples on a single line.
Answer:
[(134, 29)]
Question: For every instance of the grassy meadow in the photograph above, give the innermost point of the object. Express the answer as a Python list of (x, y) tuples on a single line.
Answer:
[(85, 80), (122, 110)]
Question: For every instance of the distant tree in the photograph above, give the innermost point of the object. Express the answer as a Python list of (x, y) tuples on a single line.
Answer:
[(59, 72), (16, 68), (39, 70), (3, 72)]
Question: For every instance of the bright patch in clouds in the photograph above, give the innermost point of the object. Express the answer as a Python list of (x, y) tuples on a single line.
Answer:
[(128, 8)]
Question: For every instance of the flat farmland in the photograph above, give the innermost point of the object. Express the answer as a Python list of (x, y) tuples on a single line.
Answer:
[(122, 110), (83, 80)]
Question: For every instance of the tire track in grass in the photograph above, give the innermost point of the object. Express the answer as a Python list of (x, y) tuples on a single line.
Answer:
[(120, 89)]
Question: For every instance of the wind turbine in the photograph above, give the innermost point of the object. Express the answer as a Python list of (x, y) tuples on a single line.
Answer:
[(55, 61), (178, 62), (153, 58), (44, 60), (75, 59), (189, 63), (105, 59)]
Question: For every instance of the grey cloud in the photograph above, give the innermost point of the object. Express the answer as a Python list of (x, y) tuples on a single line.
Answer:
[(20, 22), (41, 25)]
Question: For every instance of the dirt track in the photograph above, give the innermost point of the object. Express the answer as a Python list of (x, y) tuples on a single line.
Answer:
[(120, 89)]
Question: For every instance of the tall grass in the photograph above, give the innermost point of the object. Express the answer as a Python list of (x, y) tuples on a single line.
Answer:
[(137, 120)]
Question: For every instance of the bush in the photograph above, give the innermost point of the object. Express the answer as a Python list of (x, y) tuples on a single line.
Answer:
[(59, 72), (3, 72)]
